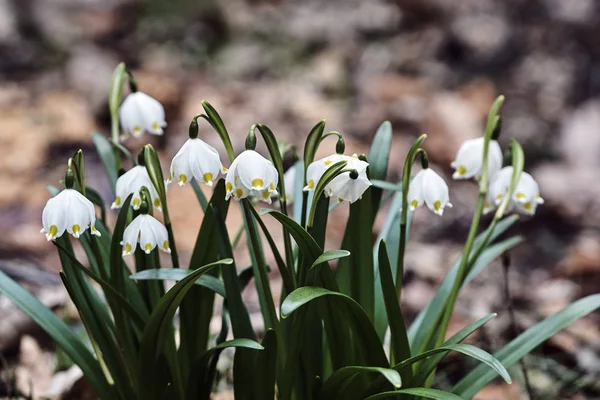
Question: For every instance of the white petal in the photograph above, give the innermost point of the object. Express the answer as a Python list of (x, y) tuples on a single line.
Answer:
[(468, 159), (255, 171), (495, 158), (151, 112), (435, 191), (53, 219), (204, 162), (289, 180), (415, 192), (130, 117)]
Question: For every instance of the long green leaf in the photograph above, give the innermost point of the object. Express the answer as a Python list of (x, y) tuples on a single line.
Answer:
[(334, 387), (176, 274), (378, 157), (365, 335), (433, 394), (266, 363), (429, 365), (330, 255), (105, 151), (154, 336), (526, 342), (305, 242), (465, 349), (219, 126), (60, 333), (400, 348), (428, 316)]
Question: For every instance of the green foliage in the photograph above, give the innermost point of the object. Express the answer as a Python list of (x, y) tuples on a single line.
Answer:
[(324, 331)]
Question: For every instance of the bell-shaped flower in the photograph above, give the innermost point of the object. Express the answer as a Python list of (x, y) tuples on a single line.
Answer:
[(71, 211), (350, 185), (131, 182), (148, 232), (469, 159), (427, 187), (251, 173), (196, 159), (317, 168), (526, 197), (141, 113)]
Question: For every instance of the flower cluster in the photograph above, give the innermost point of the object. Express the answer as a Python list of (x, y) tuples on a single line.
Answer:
[(347, 186), (469, 164)]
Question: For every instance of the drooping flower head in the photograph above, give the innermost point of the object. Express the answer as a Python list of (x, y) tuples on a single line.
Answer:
[(148, 232), (141, 113), (427, 187), (196, 159), (526, 197), (469, 159), (347, 186), (251, 173), (351, 185), (131, 182), (71, 211)]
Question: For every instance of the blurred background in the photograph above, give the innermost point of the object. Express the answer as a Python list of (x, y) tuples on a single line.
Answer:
[(429, 66)]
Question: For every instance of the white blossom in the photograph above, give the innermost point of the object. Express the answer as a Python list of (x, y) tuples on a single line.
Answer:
[(251, 173), (71, 211), (317, 168), (469, 159), (196, 159), (429, 188), (525, 198), (349, 186), (141, 113), (131, 182), (148, 232)]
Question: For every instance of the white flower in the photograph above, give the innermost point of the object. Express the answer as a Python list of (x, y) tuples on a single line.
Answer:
[(131, 182), (140, 112), (346, 187), (289, 179), (197, 160), (71, 211), (317, 168), (469, 159), (429, 188), (148, 231), (525, 198), (251, 173)]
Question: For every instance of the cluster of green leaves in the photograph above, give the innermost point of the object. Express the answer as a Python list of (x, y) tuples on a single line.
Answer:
[(326, 337)]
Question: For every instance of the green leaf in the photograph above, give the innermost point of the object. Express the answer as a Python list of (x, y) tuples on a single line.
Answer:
[(199, 195), (385, 185), (334, 387), (114, 100), (348, 310), (60, 333), (378, 157), (109, 291), (156, 176), (400, 348), (433, 394), (307, 245), (154, 336), (105, 151), (95, 198), (287, 275), (117, 268), (330, 255), (428, 316), (241, 343), (266, 363), (429, 365), (526, 342), (465, 349), (176, 274), (312, 143), (217, 123)]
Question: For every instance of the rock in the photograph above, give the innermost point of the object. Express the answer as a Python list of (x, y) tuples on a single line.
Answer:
[(8, 22), (450, 121), (501, 391), (575, 12), (66, 116), (582, 256), (34, 372), (579, 141), (482, 34)]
